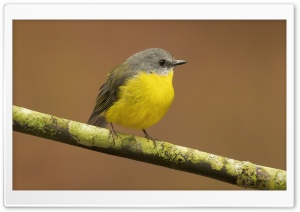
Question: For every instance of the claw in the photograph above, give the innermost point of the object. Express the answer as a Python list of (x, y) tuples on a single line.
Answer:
[(112, 132), (149, 137)]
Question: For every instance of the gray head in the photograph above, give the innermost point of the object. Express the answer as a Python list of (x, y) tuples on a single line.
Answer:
[(153, 60)]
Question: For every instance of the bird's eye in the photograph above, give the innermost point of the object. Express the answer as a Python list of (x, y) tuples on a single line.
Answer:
[(162, 62)]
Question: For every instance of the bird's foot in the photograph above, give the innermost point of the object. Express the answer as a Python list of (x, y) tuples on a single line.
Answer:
[(112, 132), (154, 140)]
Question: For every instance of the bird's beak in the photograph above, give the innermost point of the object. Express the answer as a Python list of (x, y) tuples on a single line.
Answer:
[(179, 62)]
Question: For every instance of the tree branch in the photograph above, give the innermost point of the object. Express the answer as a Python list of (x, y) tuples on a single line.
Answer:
[(241, 173)]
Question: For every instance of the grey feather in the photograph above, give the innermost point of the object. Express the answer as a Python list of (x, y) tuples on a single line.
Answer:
[(148, 61)]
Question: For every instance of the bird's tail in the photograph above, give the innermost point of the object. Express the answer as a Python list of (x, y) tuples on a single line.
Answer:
[(99, 121)]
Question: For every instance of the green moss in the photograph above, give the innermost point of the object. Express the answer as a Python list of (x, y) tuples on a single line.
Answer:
[(37, 124), (20, 115), (280, 180), (55, 125), (148, 147), (196, 157), (246, 175), (178, 154), (35, 121), (277, 178), (230, 166), (263, 178), (130, 143), (88, 135), (164, 151), (179, 159), (216, 162)]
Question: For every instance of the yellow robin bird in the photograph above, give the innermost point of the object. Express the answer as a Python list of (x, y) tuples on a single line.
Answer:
[(137, 93)]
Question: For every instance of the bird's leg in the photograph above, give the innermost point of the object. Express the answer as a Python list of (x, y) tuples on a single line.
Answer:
[(112, 131), (149, 137)]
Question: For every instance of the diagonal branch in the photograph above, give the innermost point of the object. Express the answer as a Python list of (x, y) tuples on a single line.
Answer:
[(241, 173)]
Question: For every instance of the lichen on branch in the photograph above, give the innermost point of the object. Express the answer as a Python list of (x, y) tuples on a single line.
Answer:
[(240, 173)]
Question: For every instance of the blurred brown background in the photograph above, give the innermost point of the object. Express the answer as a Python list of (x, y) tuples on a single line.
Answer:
[(229, 97)]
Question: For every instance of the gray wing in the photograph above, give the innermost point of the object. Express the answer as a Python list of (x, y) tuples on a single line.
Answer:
[(108, 94)]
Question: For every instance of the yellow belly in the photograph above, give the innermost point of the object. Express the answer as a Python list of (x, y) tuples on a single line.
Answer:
[(143, 101)]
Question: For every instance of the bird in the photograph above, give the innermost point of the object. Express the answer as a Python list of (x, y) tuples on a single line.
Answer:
[(137, 93)]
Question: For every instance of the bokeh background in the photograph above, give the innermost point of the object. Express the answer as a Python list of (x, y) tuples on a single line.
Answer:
[(230, 98)]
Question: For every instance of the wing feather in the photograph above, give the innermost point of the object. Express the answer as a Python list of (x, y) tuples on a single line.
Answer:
[(108, 92)]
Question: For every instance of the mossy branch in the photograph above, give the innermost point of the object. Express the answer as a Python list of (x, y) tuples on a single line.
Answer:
[(240, 173)]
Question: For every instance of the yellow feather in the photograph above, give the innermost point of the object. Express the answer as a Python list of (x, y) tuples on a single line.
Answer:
[(143, 101)]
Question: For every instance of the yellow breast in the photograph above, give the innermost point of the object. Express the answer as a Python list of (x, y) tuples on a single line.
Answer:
[(143, 101)]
